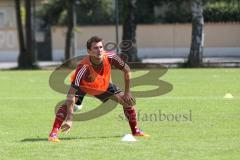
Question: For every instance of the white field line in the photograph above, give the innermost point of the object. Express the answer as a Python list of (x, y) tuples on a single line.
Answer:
[(198, 97), (161, 97), (25, 98)]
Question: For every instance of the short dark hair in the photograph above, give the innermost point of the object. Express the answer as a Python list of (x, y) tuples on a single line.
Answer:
[(92, 40)]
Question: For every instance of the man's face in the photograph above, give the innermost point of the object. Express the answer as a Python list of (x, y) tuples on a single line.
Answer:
[(96, 50)]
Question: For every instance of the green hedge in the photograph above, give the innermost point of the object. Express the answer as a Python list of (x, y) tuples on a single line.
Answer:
[(221, 15), (99, 12)]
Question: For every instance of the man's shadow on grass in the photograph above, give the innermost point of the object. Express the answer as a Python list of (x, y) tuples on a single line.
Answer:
[(38, 139)]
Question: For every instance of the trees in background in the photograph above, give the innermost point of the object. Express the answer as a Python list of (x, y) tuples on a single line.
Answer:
[(196, 50), (213, 10), (62, 13), (22, 49), (89, 12), (26, 59), (129, 30), (57, 11), (222, 11), (95, 12), (69, 42)]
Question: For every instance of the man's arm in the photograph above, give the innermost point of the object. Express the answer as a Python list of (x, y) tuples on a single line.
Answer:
[(116, 61), (70, 101), (127, 77), (127, 93)]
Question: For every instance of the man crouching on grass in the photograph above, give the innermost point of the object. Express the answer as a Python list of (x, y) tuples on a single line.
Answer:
[(92, 77)]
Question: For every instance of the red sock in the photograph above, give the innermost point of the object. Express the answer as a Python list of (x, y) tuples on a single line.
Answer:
[(130, 114), (60, 117)]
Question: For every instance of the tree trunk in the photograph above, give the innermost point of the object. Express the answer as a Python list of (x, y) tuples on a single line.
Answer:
[(129, 31), (22, 50), (69, 36), (196, 51), (26, 59), (29, 35)]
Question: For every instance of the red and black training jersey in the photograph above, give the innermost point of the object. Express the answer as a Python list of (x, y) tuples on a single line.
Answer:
[(83, 72)]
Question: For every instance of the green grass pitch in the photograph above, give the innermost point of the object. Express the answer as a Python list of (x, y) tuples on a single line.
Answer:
[(205, 125)]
